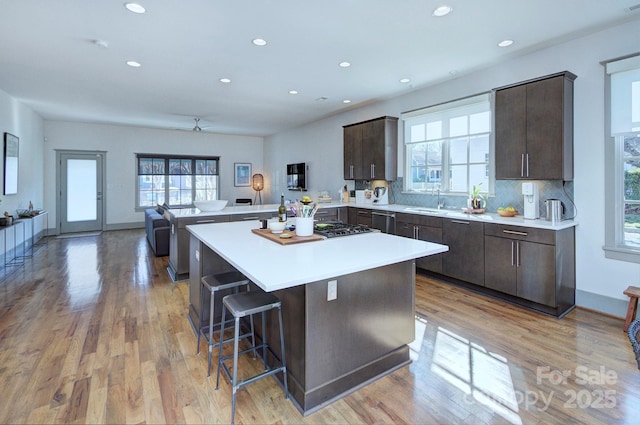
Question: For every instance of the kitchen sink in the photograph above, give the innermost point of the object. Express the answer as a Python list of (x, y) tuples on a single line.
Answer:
[(424, 210)]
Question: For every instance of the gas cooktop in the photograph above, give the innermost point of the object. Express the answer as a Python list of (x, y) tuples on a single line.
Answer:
[(334, 229)]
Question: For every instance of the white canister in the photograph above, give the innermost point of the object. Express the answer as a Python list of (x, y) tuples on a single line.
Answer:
[(304, 226)]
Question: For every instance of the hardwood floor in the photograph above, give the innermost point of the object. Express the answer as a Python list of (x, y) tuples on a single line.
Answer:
[(92, 330)]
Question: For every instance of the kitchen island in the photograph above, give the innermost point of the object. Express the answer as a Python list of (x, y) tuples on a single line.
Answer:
[(348, 302)]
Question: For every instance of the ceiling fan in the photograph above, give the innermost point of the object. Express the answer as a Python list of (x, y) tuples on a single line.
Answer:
[(197, 126)]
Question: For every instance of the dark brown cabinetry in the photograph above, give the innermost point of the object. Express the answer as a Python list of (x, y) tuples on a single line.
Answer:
[(360, 216), (423, 228), (332, 214), (534, 129), (532, 264), (179, 242), (371, 150), (465, 258)]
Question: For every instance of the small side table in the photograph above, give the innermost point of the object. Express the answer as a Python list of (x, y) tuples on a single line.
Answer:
[(42, 240)]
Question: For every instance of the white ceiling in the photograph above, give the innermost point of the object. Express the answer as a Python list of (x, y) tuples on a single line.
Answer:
[(49, 61)]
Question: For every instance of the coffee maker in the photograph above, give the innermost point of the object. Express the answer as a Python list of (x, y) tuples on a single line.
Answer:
[(381, 195)]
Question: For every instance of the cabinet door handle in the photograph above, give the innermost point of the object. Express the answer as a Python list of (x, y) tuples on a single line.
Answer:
[(251, 218), (460, 222), (373, 171), (522, 165), (207, 221), (512, 254), (416, 232), (517, 254), (351, 171), (513, 232), (527, 165)]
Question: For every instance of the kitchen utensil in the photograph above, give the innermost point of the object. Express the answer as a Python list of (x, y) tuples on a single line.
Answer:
[(304, 226)]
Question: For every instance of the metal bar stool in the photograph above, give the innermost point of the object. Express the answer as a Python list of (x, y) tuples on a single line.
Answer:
[(248, 304), (214, 283)]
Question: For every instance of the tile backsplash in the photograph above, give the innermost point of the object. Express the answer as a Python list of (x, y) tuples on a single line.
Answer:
[(508, 192)]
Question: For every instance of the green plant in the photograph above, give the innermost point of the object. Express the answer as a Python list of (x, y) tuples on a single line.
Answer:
[(478, 200)]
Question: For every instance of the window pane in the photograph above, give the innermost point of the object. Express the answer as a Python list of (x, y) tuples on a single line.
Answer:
[(458, 151), (82, 190), (632, 180), (480, 123), (479, 149), (434, 153), (419, 154), (434, 130), (458, 178), (631, 146), (478, 174), (632, 225), (151, 166), (458, 126), (179, 166), (417, 133), (206, 166)]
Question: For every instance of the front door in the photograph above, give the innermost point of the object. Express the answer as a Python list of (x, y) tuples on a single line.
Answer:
[(81, 190)]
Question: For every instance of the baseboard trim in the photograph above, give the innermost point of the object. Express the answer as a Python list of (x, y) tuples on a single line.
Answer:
[(609, 306), (124, 226)]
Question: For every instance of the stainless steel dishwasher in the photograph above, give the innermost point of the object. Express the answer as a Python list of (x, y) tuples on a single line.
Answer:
[(384, 221)]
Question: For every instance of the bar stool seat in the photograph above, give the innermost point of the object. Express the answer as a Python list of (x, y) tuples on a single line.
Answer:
[(242, 305), (214, 283)]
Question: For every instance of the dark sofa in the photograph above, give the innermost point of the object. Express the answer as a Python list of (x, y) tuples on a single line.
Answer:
[(157, 228)]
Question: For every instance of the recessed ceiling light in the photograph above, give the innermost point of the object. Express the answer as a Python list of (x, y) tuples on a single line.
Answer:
[(135, 7), (259, 42), (134, 64), (344, 64), (442, 10), (346, 101), (321, 99), (293, 91), (404, 80), (505, 43), (225, 80)]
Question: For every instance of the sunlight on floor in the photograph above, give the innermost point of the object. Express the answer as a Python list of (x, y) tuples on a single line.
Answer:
[(483, 377), (83, 277), (416, 345)]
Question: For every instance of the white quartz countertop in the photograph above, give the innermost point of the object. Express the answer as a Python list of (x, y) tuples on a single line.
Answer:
[(488, 217), (272, 266)]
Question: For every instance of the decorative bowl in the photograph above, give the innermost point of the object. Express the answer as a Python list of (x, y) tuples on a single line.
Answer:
[(215, 205), (277, 226), (505, 213)]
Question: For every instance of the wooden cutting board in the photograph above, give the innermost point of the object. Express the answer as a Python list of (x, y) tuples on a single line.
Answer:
[(275, 237)]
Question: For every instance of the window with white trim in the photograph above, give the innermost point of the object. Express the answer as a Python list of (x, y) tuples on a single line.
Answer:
[(623, 160), (448, 146), (175, 180)]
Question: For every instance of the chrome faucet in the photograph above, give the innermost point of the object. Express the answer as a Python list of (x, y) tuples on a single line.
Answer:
[(434, 189)]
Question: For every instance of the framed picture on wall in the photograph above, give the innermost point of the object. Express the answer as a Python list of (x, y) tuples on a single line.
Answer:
[(242, 174), (10, 164)]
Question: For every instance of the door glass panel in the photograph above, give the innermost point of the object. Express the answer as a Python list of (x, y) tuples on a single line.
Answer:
[(81, 190)]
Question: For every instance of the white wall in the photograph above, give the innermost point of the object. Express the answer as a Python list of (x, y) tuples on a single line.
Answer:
[(21, 121), (320, 144), (122, 143)]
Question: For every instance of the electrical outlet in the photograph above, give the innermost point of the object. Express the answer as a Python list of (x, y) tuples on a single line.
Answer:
[(332, 290)]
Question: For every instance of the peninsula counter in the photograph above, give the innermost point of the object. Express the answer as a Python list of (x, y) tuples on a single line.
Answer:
[(332, 346)]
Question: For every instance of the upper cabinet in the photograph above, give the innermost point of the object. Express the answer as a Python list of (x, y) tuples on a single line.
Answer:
[(371, 150), (534, 129)]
